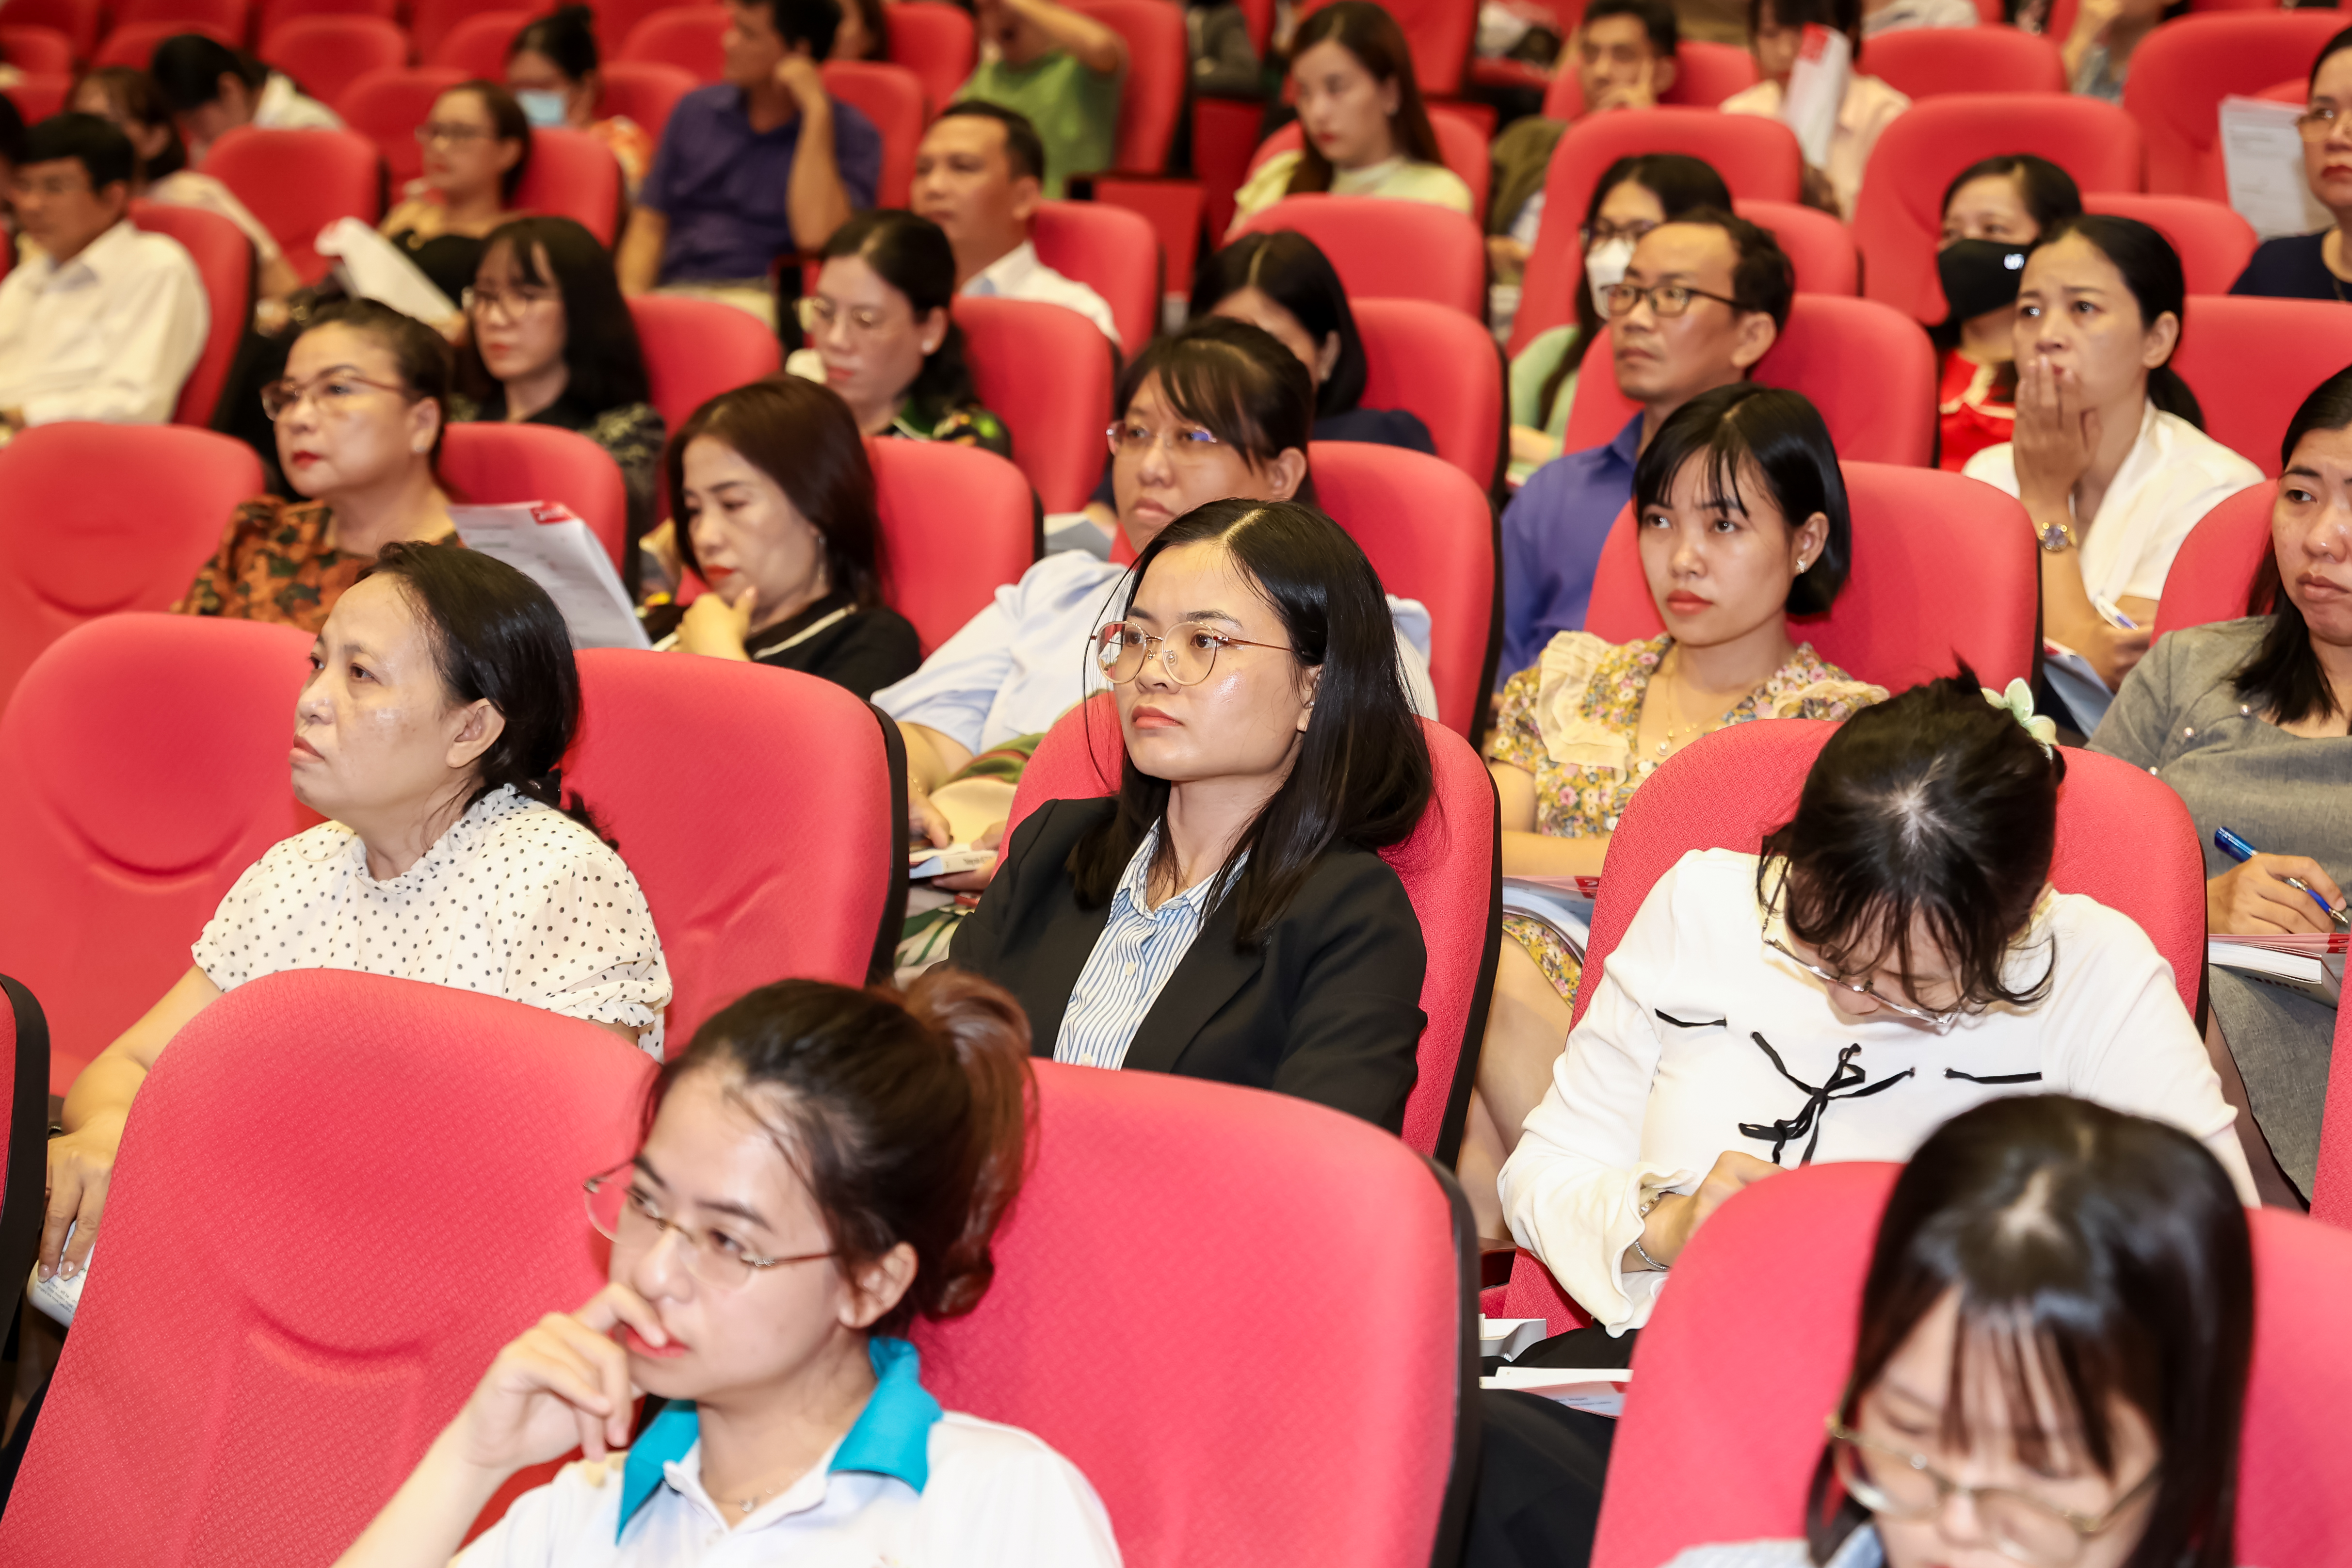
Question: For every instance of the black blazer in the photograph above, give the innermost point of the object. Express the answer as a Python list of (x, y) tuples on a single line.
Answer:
[(1327, 1007)]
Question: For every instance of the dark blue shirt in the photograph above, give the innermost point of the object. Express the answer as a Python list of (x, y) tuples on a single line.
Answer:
[(722, 185), (2290, 269), (1552, 535)]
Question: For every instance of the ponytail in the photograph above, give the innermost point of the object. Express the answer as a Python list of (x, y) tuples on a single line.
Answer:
[(2172, 395)]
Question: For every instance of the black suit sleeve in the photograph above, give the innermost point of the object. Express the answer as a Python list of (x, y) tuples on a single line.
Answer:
[(1356, 1022), (880, 650), (978, 939)]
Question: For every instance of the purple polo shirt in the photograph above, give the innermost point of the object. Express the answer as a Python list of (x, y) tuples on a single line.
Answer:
[(1552, 535), (722, 185)]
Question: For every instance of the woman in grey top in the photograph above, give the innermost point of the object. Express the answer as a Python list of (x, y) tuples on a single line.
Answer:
[(2247, 720)]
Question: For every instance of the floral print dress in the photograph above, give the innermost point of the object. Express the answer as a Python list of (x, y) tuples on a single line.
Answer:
[(1572, 719)]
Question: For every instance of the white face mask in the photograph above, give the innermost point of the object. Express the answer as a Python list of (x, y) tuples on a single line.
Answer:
[(1604, 269)]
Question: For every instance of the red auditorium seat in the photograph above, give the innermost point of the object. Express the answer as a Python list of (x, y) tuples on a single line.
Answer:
[(2252, 361), (1853, 357), (1446, 368), (2213, 573), (387, 106), (133, 44), (1462, 145), (1448, 867), (477, 46), (615, 19), (1899, 215), (1930, 62), (1705, 75), (77, 19), (24, 1080), (696, 349), (933, 39), (327, 52), (38, 50), (2331, 1190), (401, 1113), (276, 14), (1943, 567), (957, 522), (2214, 242), (223, 259), (572, 175), (685, 36), (39, 95), (2183, 69), (1046, 372), (1756, 156), (429, 21), (1389, 250), (1152, 95), (229, 18), (1438, 32), (643, 93), (1746, 1355), (490, 462), (297, 182), (892, 98), (1111, 250), (114, 862), (1820, 248)]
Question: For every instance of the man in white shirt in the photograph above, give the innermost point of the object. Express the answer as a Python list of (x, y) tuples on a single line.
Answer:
[(213, 89), (977, 175), (99, 320)]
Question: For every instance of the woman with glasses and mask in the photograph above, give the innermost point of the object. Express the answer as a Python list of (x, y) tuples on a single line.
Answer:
[(477, 143), (2317, 266), (1994, 211), (820, 1169), (358, 420)]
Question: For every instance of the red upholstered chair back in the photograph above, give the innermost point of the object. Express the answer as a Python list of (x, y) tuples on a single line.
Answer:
[(276, 14), (327, 52), (39, 95), (77, 19), (1461, 144), (572, 175), (2252, 361), (1442, 366), (935, 40), (1389, 250), (2214, 243), (644, 91), (295, 182), (223, 259), (2331, 1193), (956, 525), (47, 50), (406, 1119), (99, 519), (24, 1123), (120, 840), (1945, 569), (1449, 867), (387, 106), (892, 98), (133, 44), (617, 19), (1899, 215), (1757, 157), (1820, 248), (488, 463), (430, 21), (2215, 571), (696, 349), (1438, 32), (1111, 250), (228, 18), (757, 864), (1870, 372), (1705, 75), (1046, 372), (478, 46), (2185, 67), (1745, 1355), (1929, 62), (1152, 95)]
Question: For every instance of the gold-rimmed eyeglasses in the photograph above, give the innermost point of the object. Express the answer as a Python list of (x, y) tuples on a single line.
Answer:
[(1937, 1021), (336, 393), (1187, 650), (627, 1212), (2318, 121)]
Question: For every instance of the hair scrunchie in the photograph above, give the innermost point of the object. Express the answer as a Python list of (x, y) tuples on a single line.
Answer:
[(2018, 703)]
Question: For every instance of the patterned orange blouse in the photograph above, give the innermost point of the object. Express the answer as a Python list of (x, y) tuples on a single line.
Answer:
[(275, 564)]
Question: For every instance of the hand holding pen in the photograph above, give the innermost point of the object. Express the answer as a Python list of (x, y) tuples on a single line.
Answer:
[(2268, 895)]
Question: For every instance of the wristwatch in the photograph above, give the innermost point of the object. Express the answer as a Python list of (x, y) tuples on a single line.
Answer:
[(2057, 536)]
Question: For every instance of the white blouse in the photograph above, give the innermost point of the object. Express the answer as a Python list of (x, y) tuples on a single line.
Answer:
[(516, 899), (1671, 1061)]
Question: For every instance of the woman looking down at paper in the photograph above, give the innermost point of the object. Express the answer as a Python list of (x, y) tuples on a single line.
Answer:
[(477, 144)]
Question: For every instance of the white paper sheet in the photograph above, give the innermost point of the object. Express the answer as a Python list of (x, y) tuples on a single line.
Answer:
[(554, 549), (1816, 90), (370, 266), (1599, 1390), (2262, 157)]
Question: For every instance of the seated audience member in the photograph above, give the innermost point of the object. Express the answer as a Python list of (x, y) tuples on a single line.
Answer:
[(441, 698), (880, 1138), (2059, 1316), (213, 89), (881, 334), (97, 320), (1776, 29), (1061, 71), (2247, 720), (1894, 957), (1742, 520), (555, 70), (730, 192), (1994, 210), (1702, 299), (1227, 915), (2313, 265), (12, 153), (359, 419), (864, 33), (774, 502), (1633, 196), (1896, 16), (2110, 458), (978, 175), (477, 146), (1364, 131), (128, 97), (2097, 53)]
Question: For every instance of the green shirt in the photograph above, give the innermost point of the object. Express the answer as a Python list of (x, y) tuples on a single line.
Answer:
[(1075, 110)]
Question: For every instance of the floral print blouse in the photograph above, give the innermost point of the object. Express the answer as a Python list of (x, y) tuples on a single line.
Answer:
[(275, 564)]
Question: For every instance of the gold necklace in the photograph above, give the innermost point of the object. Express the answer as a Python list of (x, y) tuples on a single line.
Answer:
[(1699, 726)]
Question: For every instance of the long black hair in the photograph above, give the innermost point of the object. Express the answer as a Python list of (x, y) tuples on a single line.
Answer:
[(2151, 272), (1291, 270), (1379, 44), (912, 254), (1362, 774), (605, 363), (2046, 190), (2283, 674), (2100, 1261), (507, 124)]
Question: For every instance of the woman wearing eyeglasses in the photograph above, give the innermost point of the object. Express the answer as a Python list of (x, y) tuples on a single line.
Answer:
[(476, 145), (2315, 266), (824, 1166), (358, 421), (1227, 915)]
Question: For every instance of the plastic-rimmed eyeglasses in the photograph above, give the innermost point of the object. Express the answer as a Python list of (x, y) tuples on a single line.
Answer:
[(337, 393), (1666, 298), (1132, 438), (507, 302), (1897, 1484), (1939, 1022), (2319, 123), (1188, 651), (624, 1212)]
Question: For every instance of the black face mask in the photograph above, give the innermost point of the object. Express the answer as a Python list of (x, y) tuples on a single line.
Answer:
[(1980, 275)]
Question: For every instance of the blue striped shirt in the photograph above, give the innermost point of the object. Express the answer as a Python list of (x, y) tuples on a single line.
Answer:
[(1139, 948)]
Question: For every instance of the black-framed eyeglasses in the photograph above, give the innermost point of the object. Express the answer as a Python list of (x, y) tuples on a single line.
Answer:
[(627, 1213), (452, 131), (1937, 1021), (1666, 300), (1188, 651), (1896, 1483), (507, 302), (1594, 234)]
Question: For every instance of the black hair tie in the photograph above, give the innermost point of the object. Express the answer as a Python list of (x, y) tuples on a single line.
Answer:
[(1843, 1084)]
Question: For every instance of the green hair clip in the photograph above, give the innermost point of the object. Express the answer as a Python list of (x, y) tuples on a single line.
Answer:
[(2018, 703)]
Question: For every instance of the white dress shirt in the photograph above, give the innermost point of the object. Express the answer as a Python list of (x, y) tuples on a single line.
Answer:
[(282, 107), (1867, 108), (109, 336), (1669, 1062), (2173, 475), (1139, 948), (1019, 275)]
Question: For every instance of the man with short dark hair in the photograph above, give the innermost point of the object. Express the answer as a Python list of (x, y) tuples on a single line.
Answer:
[(1703, 298), (98, 320), (977, 175), (1059, 68), (760, 167)]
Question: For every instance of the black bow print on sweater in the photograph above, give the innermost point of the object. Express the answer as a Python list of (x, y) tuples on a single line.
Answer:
[(1843, 1084)]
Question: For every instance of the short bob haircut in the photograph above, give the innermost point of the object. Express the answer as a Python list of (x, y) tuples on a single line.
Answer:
[(1362, 776), (2151, 272), (423, 356), (603, 361), (1291, 270), (804, 437), (1372, 35), (508, 124), (905, 1116), (1935, 806), (2098, 1257), (2283, 674), (1236, 382), (912, 254), (1778, 437)]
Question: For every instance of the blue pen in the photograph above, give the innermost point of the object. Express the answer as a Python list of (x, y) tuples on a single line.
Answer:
[(2238, 849)]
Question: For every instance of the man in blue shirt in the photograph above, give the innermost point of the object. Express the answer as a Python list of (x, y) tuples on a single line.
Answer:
[(760, 167), (1703, 300)]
